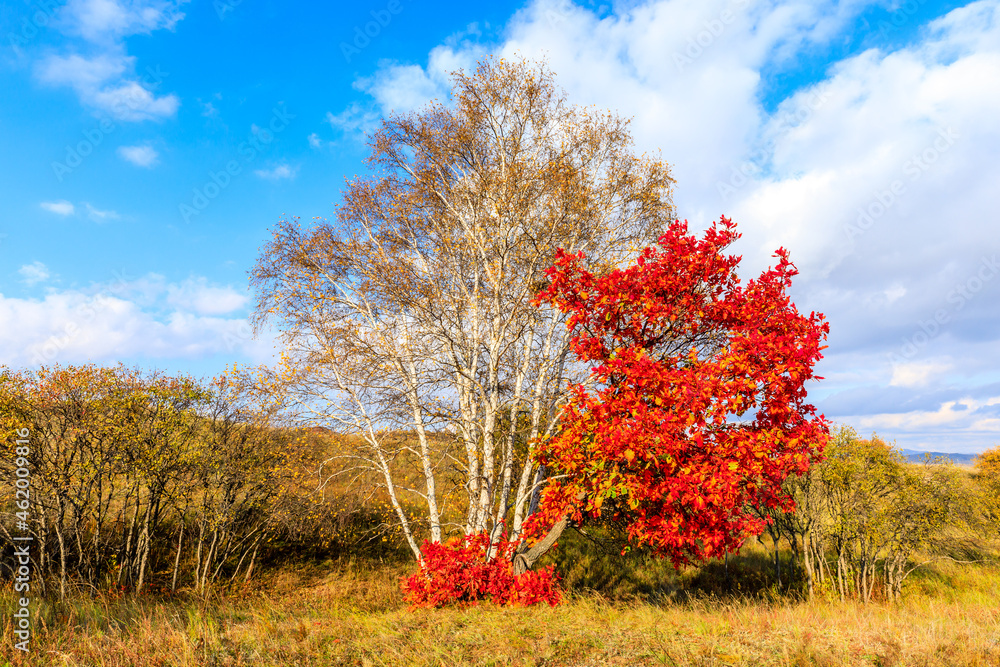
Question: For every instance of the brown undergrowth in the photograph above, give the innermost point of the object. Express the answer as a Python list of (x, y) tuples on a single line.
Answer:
[(351, 612)]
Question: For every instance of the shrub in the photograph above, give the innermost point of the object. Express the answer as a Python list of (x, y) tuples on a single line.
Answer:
[(458, 571)]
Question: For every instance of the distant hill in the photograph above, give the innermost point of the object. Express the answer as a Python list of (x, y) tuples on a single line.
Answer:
[(959, 459)]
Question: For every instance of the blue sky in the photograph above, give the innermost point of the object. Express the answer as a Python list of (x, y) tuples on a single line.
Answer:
[(147, 147)]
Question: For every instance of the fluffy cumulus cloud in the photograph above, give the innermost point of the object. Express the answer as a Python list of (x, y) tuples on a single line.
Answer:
[(885, 184), (33, 273), (106, 79), (878, 174), (402, 88), (110, 20), (142, 155), (125, 318), (201, 298)]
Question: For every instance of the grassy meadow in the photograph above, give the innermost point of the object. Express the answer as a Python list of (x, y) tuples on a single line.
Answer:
[(635, 611)]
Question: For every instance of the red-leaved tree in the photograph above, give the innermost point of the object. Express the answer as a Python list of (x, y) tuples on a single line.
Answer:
[(698, 411)]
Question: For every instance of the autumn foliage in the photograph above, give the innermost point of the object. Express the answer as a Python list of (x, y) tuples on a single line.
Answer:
[(458, 571), (699, 409), (988, 466), (147, 481)]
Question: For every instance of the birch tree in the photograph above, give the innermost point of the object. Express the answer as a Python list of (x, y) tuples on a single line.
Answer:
[(411, 311)]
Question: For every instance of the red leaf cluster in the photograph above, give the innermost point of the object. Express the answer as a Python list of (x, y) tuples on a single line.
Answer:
[(699, 412), (457, 572)]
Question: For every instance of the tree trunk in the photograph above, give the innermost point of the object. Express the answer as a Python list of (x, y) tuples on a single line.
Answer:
[(143, 553), (253, 559), (777, 564), (62, 563), (197, 557), (425, 453), (840, 573), (208, 560), (807, 563), (177, 559), (524, 560)]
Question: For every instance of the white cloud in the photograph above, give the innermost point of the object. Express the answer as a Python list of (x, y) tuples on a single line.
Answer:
[(317, 142), (881, 163), (355, 121), (131, 101), (824, 153), (918, 373), (33, 273), (400, 88), (703, 115), (100, 216), (953, 414), (146, 317), (278, 173), (204, 299), (142, 155), (83, 74), (106, 80), (101, 82), (107, 20), (61, 207)]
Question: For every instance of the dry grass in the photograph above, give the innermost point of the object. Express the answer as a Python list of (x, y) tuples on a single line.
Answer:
[(352, 613)]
